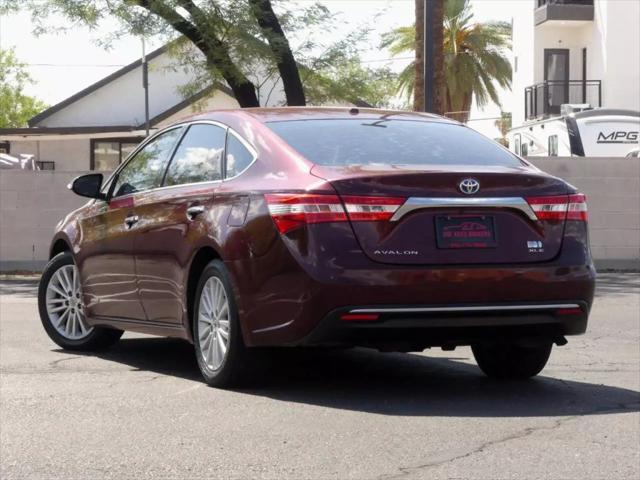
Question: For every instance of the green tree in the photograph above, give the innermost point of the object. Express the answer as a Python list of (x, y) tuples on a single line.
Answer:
[(474, 58), (244, 43), (16, 108)]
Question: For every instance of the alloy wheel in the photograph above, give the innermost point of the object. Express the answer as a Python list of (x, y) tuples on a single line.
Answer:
[(64, 304), (213, 323)]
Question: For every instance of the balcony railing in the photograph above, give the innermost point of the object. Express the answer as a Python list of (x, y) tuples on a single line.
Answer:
[(571, 10), (564, 2), (544, 99)]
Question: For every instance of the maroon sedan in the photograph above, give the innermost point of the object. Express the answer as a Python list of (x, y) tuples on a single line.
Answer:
[(323, 226)]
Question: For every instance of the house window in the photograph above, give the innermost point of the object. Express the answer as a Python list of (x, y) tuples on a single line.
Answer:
[(46, 165), (517, 139), (524, 149), (4, 147), (553, 145), (107, 153)]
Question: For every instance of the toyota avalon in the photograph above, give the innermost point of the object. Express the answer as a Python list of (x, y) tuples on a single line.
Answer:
[(254, 228)]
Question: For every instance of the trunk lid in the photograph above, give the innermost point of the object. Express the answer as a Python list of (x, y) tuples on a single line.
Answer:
[(439, 224)]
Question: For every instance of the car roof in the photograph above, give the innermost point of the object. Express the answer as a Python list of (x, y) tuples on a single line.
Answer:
[(265, 115)]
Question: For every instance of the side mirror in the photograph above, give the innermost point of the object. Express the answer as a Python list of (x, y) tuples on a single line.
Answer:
[(88, 186)]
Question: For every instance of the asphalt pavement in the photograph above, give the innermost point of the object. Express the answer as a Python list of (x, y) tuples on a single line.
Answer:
[(139, 410)]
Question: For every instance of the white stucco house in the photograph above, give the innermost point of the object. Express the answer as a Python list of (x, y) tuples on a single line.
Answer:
[(574, 52), (97, 127)]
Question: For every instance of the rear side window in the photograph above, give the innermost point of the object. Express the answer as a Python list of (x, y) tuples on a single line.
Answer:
[(198, 158), (390, 141), (145, 170), (238, 156)]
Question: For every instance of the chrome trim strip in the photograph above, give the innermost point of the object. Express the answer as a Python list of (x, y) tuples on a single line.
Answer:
[(418, 203), (480, 308)]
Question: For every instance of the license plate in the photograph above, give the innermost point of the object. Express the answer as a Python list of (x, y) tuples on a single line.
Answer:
[(462, 231)]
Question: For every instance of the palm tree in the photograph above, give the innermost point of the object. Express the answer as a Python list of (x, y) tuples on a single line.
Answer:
[(474, 61)]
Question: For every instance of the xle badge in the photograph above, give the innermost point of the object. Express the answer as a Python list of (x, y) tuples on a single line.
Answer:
[(535, 246)]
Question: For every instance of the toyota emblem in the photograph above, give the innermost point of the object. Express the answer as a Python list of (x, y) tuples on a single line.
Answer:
[(469, 186)]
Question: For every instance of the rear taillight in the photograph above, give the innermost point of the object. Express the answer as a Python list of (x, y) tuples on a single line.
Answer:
[(371, 209), (290, 211), (577, 208), (560, 207), (293, 210)]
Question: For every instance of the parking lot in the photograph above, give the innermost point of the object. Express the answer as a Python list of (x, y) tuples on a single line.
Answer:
[(140, 409)]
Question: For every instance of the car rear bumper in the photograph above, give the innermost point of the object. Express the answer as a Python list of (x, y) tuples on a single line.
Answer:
[(411, 327), (287, 298)]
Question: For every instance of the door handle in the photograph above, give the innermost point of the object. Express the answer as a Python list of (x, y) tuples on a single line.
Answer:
[(194, 211), (131, 220)]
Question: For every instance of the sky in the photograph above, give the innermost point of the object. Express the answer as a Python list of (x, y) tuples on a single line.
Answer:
[(63, 64)]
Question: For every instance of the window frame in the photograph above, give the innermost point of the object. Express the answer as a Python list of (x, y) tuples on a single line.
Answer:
[(119, 140), (109, 184)]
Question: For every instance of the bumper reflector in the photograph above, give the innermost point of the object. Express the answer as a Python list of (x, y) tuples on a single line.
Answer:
[(360, 317)]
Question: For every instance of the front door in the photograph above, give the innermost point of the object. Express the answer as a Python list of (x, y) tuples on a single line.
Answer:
[(105, 261), (556, 76), (106, 258), (171, 222)]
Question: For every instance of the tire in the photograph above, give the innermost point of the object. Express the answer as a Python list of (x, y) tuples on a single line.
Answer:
[(62, 312), (213, 321), (508, 361)]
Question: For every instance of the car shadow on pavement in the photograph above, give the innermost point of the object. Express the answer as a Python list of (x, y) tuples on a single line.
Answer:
[(617, 283), (389, 383), (20, 287)]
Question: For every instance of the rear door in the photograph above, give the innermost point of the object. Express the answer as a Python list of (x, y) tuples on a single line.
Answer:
[(452, 196), (171, 221)]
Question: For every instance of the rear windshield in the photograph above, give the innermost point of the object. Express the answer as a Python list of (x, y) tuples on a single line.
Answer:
[(396, 142)]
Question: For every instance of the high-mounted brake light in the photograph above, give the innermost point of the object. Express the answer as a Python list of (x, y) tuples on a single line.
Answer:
[(560, 207), (293, 210)]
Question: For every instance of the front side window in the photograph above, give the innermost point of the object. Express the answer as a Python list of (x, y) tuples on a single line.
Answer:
[(238, 156), (363, 141), (553, 145), (146, 169), (198, 157)]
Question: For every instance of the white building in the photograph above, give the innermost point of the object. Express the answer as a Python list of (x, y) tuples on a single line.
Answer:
[(97, 127), (575, 52)]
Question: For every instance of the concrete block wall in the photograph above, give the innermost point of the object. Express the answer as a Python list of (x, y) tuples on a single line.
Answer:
[(32, 203), (612, 187)]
